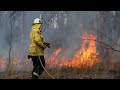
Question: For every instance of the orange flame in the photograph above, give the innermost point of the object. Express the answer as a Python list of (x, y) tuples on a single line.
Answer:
[(86, 56), (15, 62), (2, 62), (53, 60)]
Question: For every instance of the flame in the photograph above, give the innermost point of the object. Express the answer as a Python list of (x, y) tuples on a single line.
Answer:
[(53, 61), (15, 62), (86, 56), (2, 62)]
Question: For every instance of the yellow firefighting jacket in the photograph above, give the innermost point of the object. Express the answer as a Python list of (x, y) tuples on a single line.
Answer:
[(36, 47)]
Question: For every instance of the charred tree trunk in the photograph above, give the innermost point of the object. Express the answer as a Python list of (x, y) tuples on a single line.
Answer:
[(103, 30), (10, 45), (22, 35), (100, 28), (12, 17)]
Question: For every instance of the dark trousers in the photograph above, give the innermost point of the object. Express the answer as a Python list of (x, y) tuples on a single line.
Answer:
[(37, 67)]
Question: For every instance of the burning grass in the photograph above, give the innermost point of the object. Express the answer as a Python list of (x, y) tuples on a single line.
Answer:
[(86, 56), (85, 64), (101, 70)]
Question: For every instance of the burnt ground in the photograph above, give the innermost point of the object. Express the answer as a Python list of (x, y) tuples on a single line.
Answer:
[(103, 70), (26, 75)]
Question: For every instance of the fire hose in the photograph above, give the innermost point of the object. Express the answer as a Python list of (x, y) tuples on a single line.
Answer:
[(45, 69), (48, 45)]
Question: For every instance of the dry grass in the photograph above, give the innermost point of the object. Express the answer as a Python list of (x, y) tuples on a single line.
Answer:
[(102, 70)]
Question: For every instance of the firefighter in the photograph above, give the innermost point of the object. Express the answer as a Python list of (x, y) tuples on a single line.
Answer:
[(36, 49)]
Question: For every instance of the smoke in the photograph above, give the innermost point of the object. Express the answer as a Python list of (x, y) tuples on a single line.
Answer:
[(66, 34), (21, 27), (64, 31)]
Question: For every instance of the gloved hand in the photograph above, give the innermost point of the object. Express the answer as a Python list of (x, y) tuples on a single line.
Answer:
[(28, 56), (47, 44)]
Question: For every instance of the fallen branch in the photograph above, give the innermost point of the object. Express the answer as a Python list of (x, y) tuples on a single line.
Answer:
[(110, 47), (108, 38)]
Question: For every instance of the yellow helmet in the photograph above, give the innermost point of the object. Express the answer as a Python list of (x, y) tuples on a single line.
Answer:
[(37, 21)]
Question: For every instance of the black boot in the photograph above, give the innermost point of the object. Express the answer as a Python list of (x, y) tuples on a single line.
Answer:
[(34, 77)]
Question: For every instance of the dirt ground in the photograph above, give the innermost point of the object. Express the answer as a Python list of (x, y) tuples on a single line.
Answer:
[(103, 70)]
